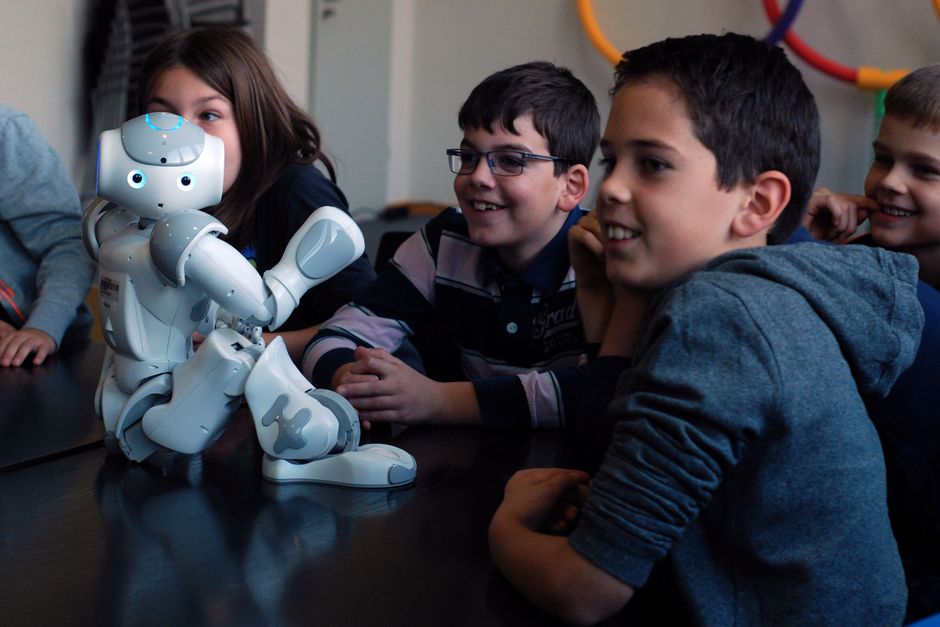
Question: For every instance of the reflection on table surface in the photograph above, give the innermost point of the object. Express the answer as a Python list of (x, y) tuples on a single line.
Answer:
[(87, 538), (47, 410)]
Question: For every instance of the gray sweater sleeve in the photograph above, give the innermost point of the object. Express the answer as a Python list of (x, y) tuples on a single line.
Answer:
[(688, 418), (41, 242)]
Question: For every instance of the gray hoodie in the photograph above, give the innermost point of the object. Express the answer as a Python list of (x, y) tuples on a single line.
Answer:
[(45, 272), (743, 453)]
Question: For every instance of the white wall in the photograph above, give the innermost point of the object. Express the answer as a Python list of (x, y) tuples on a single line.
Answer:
[(41, 69), (387, 76), (455, 43)]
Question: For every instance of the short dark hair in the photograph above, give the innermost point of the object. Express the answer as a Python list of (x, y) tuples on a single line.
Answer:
[(563, 109), (748, 105), (916, 97)]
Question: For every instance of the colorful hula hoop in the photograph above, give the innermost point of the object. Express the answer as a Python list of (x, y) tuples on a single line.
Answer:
[(782, 27), (863, 77)]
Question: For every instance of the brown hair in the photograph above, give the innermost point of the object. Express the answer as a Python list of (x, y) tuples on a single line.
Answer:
[(916, 97), (273, 131)]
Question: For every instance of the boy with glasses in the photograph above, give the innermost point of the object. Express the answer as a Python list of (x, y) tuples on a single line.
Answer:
[(493, 277)]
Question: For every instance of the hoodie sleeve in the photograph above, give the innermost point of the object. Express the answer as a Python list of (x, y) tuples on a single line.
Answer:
[(685, 421), (42, 209)]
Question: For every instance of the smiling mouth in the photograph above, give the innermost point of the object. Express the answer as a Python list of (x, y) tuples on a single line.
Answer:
[(895, 212), (485, 206), (619, 233)]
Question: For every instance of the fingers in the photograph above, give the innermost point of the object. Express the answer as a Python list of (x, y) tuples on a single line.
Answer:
[(835, 216), (865, 206), (539, 498), (373, 361), (363, 386), (586, 237), (350, 378), (535, 476), (16, 347)]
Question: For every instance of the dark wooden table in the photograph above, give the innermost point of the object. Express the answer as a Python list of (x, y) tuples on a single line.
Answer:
[(92, 539), (47, 411)]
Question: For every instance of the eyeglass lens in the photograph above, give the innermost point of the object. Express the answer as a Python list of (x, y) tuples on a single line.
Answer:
[(501, 162)]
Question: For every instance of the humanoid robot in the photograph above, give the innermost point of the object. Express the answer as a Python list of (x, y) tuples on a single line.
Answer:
[(164, 273)]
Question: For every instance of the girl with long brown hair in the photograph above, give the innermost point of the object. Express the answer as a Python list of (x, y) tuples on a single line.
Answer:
[(219, 78)]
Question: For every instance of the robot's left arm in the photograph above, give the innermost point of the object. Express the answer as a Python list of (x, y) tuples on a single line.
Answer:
[(325, 244)]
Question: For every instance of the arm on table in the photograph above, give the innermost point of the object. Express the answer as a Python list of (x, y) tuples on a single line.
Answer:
[(544, 567)]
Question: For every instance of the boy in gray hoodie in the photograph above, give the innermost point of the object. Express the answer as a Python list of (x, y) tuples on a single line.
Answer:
[(742, 461)]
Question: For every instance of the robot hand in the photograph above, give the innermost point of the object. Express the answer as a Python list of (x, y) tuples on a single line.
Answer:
[(228, 320), (325, 244)]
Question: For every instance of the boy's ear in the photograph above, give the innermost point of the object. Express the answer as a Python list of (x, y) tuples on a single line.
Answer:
[(576, 183), (769, 195)]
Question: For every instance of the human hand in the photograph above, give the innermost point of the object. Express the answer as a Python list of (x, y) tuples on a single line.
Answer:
[(835, 217), (198, 339), (382, 388), (544, 499), (17, 345), (595, 293), (586, 249)]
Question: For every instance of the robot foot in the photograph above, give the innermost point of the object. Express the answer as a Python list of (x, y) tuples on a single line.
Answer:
[(369, 466), (292, 419), (132, 444)]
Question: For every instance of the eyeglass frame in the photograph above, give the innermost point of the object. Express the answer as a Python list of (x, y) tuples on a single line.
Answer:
[(458, 152)]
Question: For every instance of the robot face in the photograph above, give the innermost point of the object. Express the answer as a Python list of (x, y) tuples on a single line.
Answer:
[(158, 164)]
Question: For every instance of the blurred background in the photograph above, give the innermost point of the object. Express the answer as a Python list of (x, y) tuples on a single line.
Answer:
[(384, 78)]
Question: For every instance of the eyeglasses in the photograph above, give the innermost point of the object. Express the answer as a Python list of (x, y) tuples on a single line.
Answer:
[(501, 162)]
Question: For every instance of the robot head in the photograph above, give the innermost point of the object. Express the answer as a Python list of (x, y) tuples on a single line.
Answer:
[(158, 164)]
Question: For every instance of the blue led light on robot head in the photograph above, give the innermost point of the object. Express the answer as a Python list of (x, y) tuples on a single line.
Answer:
[(163, 117), (162, 139)]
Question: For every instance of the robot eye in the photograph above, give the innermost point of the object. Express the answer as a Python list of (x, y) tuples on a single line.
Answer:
[(136, 179), (185, 182)]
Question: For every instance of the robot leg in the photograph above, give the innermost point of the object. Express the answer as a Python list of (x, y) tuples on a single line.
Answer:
[(207, 390), (122, 413), (313, 435)]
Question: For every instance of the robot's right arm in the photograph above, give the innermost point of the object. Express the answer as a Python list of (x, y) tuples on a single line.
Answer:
[(101, 220), (185, 249), (230, 280)]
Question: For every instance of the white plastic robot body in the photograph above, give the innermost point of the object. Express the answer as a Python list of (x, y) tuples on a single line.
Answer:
[(144, 320), (162, 269)]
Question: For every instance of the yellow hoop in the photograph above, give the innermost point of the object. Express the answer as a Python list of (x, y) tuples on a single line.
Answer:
[(603, 45)]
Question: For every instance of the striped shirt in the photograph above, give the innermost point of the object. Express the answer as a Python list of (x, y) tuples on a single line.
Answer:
[(519, 337)]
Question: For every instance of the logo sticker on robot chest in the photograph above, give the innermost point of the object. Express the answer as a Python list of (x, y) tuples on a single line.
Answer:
[(109, 287)]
